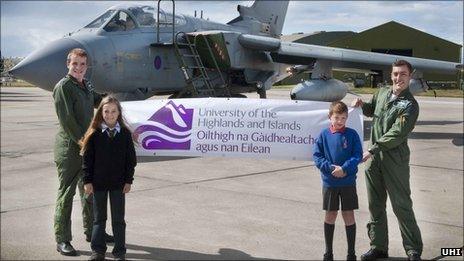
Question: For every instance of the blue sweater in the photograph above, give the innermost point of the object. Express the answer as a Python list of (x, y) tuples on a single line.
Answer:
[(339, 148)]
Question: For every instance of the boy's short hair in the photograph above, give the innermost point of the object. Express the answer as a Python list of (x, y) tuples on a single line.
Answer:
[(77, 52), (338, 107), (403, 63)]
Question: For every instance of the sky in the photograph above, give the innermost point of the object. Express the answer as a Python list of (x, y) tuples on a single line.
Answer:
[(29, 25)]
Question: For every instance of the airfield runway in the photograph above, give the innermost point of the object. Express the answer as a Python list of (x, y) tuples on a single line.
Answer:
[(223, 208)]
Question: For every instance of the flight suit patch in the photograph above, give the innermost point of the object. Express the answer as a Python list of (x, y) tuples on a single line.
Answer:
[(402, 104)]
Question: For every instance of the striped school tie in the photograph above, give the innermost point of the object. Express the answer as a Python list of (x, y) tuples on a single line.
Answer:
[(112, 132)]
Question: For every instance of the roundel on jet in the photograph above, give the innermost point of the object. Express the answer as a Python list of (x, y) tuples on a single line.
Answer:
[(157, 62)]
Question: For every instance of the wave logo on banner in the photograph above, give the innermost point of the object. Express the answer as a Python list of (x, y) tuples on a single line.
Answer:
[(168, 128)]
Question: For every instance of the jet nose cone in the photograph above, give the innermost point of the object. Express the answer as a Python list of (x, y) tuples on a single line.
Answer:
[(46, 66)]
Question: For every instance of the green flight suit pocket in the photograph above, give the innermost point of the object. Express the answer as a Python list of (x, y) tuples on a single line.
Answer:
[(61, 149)]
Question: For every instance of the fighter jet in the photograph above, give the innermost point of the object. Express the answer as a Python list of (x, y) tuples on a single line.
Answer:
[(137, 51)]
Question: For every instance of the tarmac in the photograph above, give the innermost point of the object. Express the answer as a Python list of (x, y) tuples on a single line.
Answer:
[(223, 208)]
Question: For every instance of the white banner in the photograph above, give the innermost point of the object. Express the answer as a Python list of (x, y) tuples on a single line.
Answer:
[(230, 127)]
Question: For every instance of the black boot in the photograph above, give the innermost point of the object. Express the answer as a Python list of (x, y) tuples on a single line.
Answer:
[(374, 254), (414, 256), (66, 249)]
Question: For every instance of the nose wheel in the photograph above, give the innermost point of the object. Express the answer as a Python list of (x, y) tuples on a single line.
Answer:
[(262, 93)]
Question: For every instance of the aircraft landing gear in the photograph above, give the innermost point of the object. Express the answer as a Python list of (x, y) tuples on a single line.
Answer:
[(262, 93)]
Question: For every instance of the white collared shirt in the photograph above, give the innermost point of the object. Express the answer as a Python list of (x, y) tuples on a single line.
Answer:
[(105, 127)]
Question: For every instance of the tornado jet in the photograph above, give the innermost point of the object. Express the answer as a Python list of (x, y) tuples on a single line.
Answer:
[(136, 51)]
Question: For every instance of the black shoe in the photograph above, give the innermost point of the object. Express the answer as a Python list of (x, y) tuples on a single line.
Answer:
[(351, 257), (374, 254), (66, 249), (88, 237), (97, 257), (414, 256), (109, 238), (328, 257)]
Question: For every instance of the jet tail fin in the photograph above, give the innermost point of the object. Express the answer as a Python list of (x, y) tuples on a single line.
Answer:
[(270, 15)]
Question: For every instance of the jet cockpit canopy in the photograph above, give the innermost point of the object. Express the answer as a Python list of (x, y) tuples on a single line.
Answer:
[(145, 15), (101, 20), (121, 18)]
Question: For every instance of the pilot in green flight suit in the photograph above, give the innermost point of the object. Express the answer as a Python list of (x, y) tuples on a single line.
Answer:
[(395, 112), (74, 104)]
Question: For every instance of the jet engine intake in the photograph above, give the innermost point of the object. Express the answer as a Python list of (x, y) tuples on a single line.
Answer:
[(319, 90)]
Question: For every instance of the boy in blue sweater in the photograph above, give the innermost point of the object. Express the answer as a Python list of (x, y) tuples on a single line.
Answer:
[(336, 153)]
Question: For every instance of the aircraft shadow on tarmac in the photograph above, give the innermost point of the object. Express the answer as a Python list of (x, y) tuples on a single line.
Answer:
[(155, 253), (18, 94), (438, 122), (17, 97), (7, 96), (11, 93), (456, 138), (15, 100)]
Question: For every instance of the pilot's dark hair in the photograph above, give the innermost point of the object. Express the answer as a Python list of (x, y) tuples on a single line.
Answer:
[(403, 63), (338, 107), (77, 52)]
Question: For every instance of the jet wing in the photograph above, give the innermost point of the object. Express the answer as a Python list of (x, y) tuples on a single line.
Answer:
[(307, 54)]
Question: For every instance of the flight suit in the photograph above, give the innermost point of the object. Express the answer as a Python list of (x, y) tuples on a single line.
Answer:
[(74, 107), (388, 170)]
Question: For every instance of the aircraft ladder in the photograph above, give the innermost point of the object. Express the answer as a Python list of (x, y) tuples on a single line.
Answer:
[(196, 75)]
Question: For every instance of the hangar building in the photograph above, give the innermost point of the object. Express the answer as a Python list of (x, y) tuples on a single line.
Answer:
[(392, 38)]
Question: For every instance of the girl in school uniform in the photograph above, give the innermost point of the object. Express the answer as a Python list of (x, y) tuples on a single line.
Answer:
[(108, 164)]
